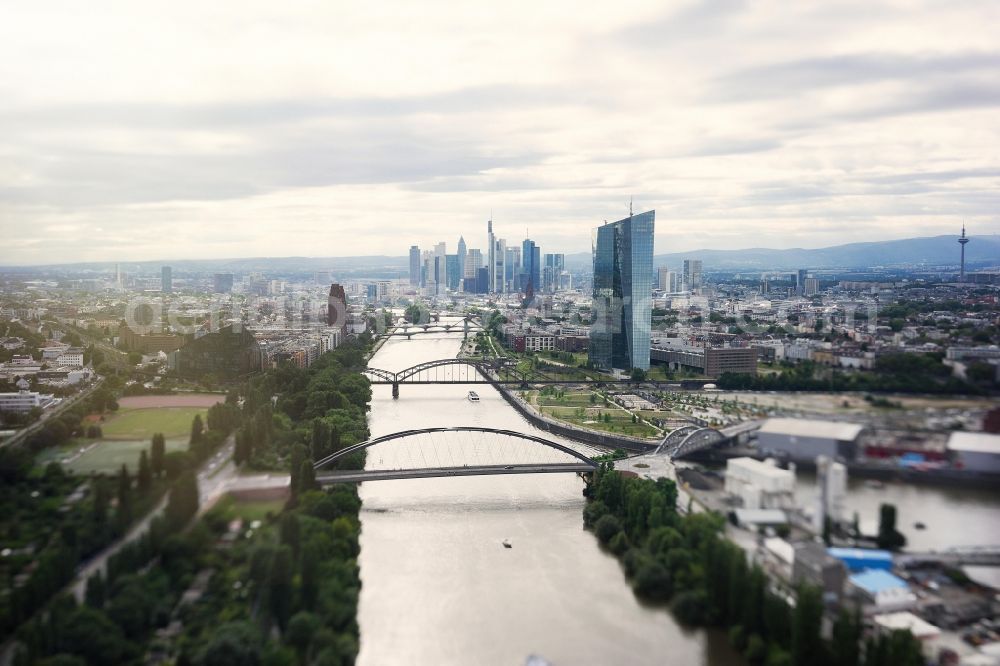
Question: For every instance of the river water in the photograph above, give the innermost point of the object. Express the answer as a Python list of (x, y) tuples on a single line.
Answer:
[(438, 587)]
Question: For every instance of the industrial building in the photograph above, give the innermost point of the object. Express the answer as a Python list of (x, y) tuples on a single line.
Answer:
[(861, 559), (803, 440), (760, 485), (975, 451), (882, 589)]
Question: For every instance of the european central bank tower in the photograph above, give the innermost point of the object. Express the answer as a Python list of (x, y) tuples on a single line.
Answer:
[(623, 286)]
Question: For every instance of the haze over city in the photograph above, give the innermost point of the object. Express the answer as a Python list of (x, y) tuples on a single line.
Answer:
[(150, 131)]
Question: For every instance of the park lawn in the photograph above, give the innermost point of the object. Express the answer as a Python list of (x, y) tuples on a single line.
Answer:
[(569, 399), (134, 424), (107, 456), (249, 510), (621, 420)]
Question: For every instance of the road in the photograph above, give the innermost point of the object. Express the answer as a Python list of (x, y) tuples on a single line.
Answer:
[(22, 435)]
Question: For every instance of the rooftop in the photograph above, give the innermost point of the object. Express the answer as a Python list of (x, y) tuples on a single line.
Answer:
[(874, 581), (907, 621), (812, 428), (974, 442)]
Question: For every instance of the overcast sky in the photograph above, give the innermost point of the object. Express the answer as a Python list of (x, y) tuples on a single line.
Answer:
[(158, 130)]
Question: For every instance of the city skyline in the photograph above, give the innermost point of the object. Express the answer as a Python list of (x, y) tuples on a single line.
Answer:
[(833, 125)]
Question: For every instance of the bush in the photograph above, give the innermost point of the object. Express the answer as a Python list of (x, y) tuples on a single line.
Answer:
[(607, 527), (690, 607), (652, 581)]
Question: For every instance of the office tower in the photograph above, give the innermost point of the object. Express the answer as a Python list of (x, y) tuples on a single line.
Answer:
[(491, 252), (462, 254), (336, 309), (452, 273), (811, 287), (553, 267), (692, 274), (531, 269), (623, 300), (415, 265), (512, 271), (663, 278), (482, 280), (800, 281), (499, 271), (473, 262), (222, 283), (166, 280), (963, 241)]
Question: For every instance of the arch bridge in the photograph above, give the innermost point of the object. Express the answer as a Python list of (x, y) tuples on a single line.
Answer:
[(690, 439), (459, 451), (408, 329), (443, 371)]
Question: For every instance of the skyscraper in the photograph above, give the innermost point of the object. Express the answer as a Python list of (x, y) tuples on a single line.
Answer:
[(667, 280), (692, 274), (473, 262), (623, 284), (222, 283), (800, 281), (531, 268), (454, 276), (553, 267), (512, 271), (414, 265), (491, 260), (498, 273), (461, 259), (166, 280)]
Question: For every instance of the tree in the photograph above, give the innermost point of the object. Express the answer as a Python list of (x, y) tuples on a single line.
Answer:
[(290, 531), (197, 431), (279, 586), (301, 629), (157, 451), (182, 503), (307, 477), (807, 646), (144, 477), (232, 644), (123, 516), (845, 646), (638, 375), (888, 537)]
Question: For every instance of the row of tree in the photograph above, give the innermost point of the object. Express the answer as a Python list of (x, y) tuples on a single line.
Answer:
[(686, 561)]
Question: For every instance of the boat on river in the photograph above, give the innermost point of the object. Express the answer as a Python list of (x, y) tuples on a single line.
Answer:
[(473, 396)]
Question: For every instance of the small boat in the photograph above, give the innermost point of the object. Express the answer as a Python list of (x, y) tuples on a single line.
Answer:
[(506, 543), (473, 396), (919, 525)]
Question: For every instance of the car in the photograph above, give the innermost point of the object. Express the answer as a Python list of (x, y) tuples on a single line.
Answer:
[(508, 467)]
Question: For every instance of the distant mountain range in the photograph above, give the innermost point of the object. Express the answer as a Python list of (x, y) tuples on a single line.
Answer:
[(982, 251)]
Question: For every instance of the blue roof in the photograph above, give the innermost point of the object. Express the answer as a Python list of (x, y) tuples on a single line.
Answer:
[(860, 554), (874, 581)]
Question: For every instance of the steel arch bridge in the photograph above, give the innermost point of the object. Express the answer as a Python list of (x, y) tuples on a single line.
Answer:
[(689, 439), (487, 444), (443, 371)]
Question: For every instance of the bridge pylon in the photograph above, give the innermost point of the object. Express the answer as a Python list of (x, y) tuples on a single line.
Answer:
[(395, 390)]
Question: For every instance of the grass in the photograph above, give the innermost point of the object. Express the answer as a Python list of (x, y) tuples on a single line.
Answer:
[(104, 456), (248, 510), (620, 421), (134, 424)]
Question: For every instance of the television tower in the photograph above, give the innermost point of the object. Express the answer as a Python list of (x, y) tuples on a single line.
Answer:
[(962, 240)]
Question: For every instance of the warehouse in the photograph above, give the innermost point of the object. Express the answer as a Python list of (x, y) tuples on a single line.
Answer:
[(760, 485), (975, 451), (802, 440)]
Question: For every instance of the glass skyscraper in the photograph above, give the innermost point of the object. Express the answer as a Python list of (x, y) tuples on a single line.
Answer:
[(623, 286)]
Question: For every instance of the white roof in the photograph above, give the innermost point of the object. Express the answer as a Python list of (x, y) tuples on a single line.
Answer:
[(905, 620), (811, 428), (758, 467), (781, 548), (974, 442)]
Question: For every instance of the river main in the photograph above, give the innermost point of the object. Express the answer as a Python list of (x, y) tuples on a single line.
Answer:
[(438, 587)]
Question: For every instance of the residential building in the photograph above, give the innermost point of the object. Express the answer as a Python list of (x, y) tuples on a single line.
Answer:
[(622, 297), (811, 287)]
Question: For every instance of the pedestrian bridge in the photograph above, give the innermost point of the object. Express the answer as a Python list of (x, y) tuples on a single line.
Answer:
[(459, 451)]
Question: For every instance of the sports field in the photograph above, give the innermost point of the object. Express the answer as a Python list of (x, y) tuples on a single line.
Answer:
[(130, 430)]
